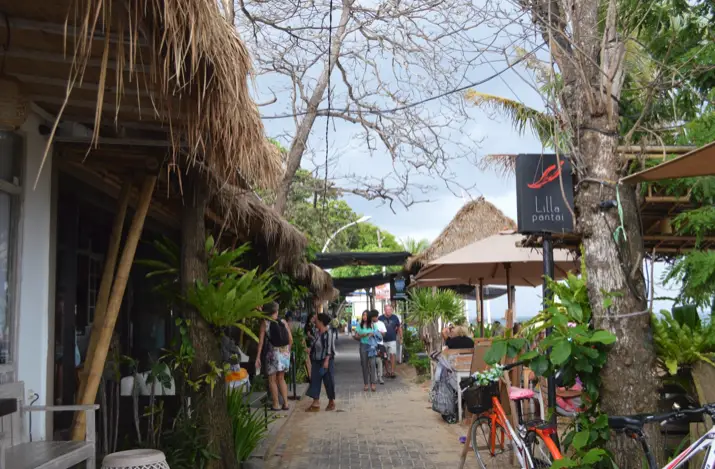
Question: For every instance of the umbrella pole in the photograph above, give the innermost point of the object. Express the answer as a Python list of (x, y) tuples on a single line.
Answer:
[(481, 307), (509, 310)]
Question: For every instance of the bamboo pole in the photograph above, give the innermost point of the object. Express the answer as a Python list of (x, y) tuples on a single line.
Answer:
[(95, 363), (105, 286)]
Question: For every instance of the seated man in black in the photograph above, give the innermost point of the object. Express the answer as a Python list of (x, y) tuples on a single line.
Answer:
[(459, 339)]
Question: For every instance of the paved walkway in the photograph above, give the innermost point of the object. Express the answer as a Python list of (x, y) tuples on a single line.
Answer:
[(392, 428)]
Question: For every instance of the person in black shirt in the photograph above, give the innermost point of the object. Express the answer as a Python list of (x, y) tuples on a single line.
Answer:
[(460, 339)]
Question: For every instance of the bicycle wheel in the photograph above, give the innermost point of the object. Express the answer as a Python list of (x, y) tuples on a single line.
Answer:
[(488, 455), (540, 454)]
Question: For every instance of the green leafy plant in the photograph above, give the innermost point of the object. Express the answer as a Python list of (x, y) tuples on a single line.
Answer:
[(249, 425), (287, 292), (185, 444), (576, 350), (489, 331), (426, 306), (421, 364), (301, 355), (682, 341), (232, 295), (411, 342)]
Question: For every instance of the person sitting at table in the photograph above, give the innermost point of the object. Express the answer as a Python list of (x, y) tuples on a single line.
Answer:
[(459, 339)]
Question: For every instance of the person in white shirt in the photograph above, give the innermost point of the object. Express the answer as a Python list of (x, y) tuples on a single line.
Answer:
[(380, 326)]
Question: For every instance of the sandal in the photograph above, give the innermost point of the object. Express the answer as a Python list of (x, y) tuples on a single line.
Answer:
[(313, 409), (330, 407), (374, 388), (285, 407), (366, 389)]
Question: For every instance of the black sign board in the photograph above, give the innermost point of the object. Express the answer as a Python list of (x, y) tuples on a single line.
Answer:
[(398, 289), (541, 202)]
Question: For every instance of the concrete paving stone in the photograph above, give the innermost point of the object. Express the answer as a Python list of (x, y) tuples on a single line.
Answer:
[(393, 428)]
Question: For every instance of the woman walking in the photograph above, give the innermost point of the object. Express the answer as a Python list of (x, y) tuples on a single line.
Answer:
[(322, 358), (278, 340), (366, 332)]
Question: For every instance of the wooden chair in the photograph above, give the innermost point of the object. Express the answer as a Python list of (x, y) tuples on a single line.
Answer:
[(17, 452)]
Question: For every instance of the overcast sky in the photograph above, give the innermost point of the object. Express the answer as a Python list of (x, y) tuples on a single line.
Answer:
[(493, 133)]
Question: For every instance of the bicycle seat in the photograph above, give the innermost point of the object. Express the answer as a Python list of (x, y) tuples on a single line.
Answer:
[(519, 394)]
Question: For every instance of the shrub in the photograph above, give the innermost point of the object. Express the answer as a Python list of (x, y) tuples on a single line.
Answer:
[(301, 355), (421, 364), (249, 425)]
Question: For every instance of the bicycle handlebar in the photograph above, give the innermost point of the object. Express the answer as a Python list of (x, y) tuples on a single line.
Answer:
[(679, 414), (636, 422)]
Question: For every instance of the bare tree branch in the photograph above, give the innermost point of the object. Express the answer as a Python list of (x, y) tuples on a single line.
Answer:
[(387, 53)]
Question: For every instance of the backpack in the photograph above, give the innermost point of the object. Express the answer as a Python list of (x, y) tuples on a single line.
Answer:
[(278, 334)]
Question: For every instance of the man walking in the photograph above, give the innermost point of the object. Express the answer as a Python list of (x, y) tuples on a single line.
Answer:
[(393, 330)]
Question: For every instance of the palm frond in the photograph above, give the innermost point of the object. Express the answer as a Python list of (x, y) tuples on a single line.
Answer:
[(520, 115)]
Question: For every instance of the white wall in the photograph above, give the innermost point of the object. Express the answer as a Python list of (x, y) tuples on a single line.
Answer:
[(35, 340)]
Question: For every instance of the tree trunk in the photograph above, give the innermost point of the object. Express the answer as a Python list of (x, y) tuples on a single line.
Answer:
[(302, 132), (629, 380), (211, 409)]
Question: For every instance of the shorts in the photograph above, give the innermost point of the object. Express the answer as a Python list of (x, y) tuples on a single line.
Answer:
[(391, 347)]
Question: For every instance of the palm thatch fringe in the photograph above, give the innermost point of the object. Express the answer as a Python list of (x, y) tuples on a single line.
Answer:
[(475, 221), (244, 214), (195, 68), (317, 280)]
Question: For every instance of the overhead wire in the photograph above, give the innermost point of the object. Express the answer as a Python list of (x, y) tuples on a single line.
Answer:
[(497, 74)]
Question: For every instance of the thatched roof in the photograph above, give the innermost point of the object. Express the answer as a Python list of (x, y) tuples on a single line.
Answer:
[(318, 281), (170, 70), (243, 214), (475, 221)]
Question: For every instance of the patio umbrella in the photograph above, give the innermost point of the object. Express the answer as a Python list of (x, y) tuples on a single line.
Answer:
[(496, 260)]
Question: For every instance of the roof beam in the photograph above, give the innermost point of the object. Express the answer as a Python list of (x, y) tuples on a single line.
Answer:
[(42, 56), (23, 24), (46, 81), (147, 111)]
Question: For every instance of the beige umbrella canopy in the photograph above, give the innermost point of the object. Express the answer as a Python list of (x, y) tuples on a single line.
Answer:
[(495, 260), (700, 162)]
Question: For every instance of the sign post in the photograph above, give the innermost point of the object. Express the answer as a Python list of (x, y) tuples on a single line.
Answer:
[(544, 195)]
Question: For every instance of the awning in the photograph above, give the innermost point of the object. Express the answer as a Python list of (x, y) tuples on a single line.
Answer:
[(700, 162), (350, 284), (331, 260)]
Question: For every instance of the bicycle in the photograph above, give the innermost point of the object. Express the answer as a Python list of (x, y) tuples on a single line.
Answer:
[(533, 443), (632, 426)]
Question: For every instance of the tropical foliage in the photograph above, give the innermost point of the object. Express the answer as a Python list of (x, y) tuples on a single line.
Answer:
[(426, 306), (576, 350), (249, 425), (414, 246), (683, 339)]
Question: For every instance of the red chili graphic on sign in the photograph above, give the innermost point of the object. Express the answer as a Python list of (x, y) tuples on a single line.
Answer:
[(549, 175)]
